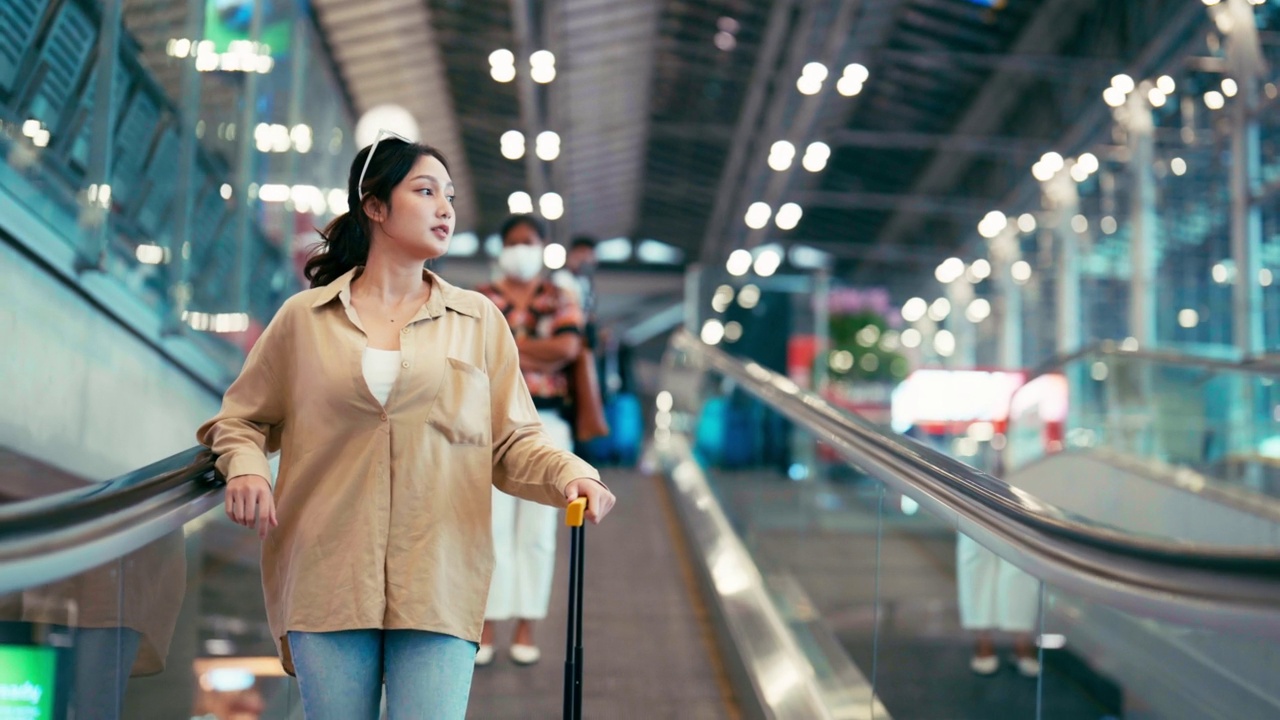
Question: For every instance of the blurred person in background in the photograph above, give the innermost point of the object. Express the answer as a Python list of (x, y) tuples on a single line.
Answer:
[(397, 404), (547, 324)]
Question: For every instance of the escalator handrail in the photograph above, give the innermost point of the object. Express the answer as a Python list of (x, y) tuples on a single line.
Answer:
[(50, 538), (1014, 505), (1111, 348)]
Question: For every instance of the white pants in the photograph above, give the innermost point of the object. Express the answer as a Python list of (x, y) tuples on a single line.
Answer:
[(993, 594), (524, 545)]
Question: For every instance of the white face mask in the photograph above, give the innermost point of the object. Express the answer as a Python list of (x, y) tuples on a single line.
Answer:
[(521, 262)]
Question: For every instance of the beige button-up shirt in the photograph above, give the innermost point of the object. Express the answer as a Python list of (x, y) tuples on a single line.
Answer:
[(384, 512)]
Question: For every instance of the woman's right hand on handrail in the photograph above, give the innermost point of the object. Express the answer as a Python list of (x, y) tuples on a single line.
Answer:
[(250, 503)]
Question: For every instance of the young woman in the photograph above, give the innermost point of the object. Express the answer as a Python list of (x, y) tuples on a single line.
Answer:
[(396, 402)]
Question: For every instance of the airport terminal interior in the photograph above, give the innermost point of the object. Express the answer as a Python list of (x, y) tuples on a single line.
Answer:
[(936, 342)]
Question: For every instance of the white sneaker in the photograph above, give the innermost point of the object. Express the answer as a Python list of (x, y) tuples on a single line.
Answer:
[(1028, 667), (484, 655), (525, 654), (984, 665)]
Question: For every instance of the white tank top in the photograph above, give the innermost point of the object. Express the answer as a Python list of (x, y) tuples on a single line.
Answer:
[(381, 368)]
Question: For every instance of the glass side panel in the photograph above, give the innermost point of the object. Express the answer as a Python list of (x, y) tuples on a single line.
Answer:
[(930, 622), (1194, 448)]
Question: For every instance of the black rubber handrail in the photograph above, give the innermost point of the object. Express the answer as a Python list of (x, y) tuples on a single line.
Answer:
[(1110, 348), (64, 510), (979, 486)]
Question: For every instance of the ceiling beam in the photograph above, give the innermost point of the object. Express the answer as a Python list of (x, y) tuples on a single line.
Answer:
[(922, 204), (1054, 24), (1010, 147), (776, 34)]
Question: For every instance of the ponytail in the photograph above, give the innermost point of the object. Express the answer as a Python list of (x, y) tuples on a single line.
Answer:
[(346, 245)]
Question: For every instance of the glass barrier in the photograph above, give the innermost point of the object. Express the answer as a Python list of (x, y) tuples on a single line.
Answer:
[(176, 628), (194, 184), (890, 602), (1211, 429)]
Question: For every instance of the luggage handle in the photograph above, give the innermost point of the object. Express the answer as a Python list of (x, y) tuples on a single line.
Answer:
[(575, 517)]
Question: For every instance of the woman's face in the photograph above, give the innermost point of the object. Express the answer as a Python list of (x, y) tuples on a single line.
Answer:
[(420, 221)]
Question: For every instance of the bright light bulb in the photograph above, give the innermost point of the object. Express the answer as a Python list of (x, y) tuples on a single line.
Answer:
[(939, 310), (553, 256), (513, 145), (551, 205), (1113, 97), (914, 309), (981, 269), (543, 74), (1166, 85), (911, 338), (1188, 318), (979, 310), (789, 216), (809, 85), (944, 343), (542, 58), (768, 263), (1021, 272), (1214, 100), (758, 215), (848, 87), (856, 72), (815, 70), (1178, 166), (712, 332), (1123, 83), (1157, 97), (501, 57), (503, 73), (1053, 161), (1027, 223), (739, 263), (520, 203), (1229, 87)]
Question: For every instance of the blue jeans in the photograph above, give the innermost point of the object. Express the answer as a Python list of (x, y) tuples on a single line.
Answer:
[(340, 674)]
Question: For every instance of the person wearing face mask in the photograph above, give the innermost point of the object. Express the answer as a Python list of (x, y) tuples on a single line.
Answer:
[(547, 323)]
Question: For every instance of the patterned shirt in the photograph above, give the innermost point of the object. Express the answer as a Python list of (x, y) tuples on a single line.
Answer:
[(550, 313)]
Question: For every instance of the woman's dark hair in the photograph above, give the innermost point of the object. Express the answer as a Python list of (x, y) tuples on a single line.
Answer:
[(531, 221), (346, 237)]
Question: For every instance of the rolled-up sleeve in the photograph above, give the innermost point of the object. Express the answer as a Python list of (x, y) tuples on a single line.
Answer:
[(248, 426), (525, 462)]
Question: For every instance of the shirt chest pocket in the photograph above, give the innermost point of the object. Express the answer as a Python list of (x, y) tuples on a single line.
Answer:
[(461, 410)]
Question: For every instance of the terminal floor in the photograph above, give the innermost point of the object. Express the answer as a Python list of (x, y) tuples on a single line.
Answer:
[(822, 534), (649, 655)]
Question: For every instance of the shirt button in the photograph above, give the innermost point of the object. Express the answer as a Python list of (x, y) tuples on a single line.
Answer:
[(383, 417), (404, 364), (404, 331)]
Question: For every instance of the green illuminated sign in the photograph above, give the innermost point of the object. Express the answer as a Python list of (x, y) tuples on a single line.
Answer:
[(26, 682)]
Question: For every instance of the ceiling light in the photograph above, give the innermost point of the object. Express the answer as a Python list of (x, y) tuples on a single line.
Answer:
[(1113, 97), (768, 263), (815, 70), (914, 309), (758, 215), (1123, 83), (789, 216), (520, 203), (1027, 222), (551, 205), (856, 72), (1214, 100), (1166, 85), (739, 263), (1229, 87)]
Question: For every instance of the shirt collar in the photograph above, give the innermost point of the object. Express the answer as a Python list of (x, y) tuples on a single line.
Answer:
[(443, 295)]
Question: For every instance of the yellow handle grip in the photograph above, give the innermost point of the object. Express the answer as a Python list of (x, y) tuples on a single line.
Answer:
[(576, 513)]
